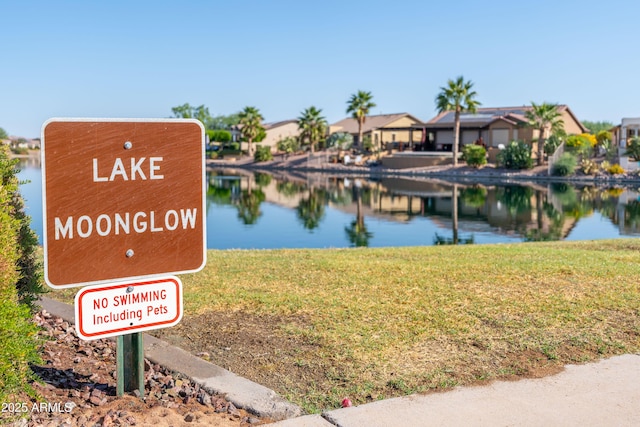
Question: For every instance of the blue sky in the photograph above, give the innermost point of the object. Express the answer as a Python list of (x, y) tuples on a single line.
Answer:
[(140, 58)]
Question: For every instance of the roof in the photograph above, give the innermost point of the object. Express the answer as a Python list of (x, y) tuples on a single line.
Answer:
[(484, 116), (272, 125), (350, 125)]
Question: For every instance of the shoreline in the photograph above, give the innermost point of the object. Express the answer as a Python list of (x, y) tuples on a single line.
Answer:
[(460, 173)]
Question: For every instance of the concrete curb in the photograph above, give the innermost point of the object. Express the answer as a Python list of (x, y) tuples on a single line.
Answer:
[(245, 394)]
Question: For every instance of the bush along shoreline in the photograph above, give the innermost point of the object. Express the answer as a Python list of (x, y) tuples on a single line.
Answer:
[(20, 285)]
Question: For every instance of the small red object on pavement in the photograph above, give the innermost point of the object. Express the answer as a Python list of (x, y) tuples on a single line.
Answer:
[(346, 402)]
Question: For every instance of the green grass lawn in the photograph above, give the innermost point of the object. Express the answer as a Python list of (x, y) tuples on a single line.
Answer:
[(376, 323)]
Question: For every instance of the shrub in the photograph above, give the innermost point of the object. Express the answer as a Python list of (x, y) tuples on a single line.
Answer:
[(603, 135), (262, 154), (340, 141), (633, 148), (589, 167), (288, 145), (474, 155), (234, 146), (19, 284), (219, 135), (581, 144), (552, 144), (516, 155), (615, 169), (566, 165)]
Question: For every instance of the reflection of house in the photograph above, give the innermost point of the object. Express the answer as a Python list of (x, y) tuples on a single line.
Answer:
[(275, 131), (386, 129), (496, 126)]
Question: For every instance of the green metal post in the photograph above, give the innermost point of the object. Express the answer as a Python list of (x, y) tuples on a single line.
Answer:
[(129, 364)]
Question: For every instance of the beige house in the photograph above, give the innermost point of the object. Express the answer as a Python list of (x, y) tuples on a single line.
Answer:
[(275, 131), (496, 127), (628, 128), (385, 130)]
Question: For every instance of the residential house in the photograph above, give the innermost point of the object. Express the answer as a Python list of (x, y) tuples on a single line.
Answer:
[(275, 131), (384, 130), (496, 126), (628, 128)]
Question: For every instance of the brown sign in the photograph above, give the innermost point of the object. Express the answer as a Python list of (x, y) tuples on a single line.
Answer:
[(122, 199)]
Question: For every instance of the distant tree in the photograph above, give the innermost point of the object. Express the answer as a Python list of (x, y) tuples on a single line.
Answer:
[(186, 111), (595, 127), (458, 97), (546, 118), (312, 126), (3, 134), (224, 122), (251, 121), (359, 106)]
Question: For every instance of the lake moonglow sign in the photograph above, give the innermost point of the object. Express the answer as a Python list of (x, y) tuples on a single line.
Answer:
[(122, 199)]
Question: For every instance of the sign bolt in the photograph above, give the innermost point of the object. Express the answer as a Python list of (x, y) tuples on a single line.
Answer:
[(129, 253), (128, 145), (129, 289)]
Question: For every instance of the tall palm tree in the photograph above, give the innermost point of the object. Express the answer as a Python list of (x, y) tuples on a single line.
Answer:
[(545, 117), (312, 125), (359, 106), (458, 97), (251, 121)]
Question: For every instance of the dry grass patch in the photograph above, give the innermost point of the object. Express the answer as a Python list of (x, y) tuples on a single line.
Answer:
[(318, 325)]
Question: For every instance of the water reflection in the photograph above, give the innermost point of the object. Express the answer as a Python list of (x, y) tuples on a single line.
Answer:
[(260, 210), (461, 213)]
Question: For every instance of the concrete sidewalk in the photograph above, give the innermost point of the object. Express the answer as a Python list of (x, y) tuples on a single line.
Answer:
[(606, 393)]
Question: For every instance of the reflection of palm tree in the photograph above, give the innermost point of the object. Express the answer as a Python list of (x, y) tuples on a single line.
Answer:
[(357, 232), (249, 206), (454, 213), (441, 240), (455, 240), (556, 224), (311, 210)]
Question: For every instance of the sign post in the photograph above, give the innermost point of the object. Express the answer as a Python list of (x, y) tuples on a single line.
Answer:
[(123, 203), (129, 363)]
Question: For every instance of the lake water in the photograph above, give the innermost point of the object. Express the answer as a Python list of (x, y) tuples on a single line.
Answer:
[(293, 210)]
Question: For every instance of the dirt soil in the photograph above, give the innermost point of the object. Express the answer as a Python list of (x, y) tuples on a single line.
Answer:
[(78, 388)]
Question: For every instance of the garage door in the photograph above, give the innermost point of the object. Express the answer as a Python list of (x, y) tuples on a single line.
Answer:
[(444, 137), (469, 136), (499, 136)]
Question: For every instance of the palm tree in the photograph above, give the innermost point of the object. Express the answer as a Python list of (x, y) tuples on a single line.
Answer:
[(359, 106), (544, 117), (251, 121), (312, 125), (457, 96)]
